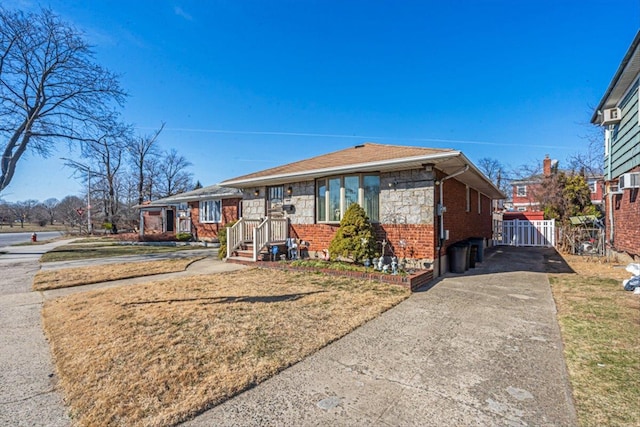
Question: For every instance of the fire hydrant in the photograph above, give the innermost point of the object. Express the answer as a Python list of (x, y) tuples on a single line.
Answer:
[(34, 237)]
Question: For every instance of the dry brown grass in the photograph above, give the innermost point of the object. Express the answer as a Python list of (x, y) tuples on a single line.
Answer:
[(158, 353), (54, 279), (600, 324)]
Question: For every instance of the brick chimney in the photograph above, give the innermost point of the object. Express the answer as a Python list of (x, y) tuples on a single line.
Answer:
[(546, 166)]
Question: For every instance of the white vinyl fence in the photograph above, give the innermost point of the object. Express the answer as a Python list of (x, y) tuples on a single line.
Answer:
[(519, 232)]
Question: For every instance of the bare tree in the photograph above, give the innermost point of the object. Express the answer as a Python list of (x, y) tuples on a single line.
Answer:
[(152, 177), (142, 149), (50, 87), (105, 152), (50, 206), (5, 214), (589, 162), (70, 212), (496, 172), (173, 175), (23, 210)]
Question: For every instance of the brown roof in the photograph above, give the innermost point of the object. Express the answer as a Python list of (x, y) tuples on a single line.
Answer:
[(370, 157), (363, 154)]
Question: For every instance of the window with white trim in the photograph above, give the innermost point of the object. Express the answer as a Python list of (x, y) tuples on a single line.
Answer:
[(210, 210), (521, 190), (334, 196)]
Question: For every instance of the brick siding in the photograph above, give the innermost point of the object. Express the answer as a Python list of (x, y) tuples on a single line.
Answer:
[(626, 216), (208, 231)]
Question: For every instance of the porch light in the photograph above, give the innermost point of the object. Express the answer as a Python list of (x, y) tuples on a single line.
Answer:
[(257, 192), (289, 190)]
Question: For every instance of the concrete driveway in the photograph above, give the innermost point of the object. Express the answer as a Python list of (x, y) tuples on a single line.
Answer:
[(477, 349)]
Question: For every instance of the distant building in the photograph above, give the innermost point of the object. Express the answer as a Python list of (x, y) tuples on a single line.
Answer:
[(525, 192), (618, 113)]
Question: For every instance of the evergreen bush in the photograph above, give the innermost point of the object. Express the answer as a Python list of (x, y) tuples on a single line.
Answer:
[(222, 237), (355, 239)]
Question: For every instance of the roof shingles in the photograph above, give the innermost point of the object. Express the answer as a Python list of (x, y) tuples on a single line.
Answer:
[(359, 154)]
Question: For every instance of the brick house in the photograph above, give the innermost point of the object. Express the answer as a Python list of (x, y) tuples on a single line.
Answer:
[(420, 201), (524, 191), (202, 212), (618, 114)]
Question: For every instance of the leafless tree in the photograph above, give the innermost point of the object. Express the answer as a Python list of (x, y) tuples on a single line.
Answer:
[(152, 177), (105, 151), (141, 150), (174, 178), (70, 212), (50, 206), (23, 210), (590, 161), (5, 214), (496, 172), (51, 89)]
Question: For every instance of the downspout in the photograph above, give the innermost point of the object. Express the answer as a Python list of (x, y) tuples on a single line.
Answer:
[(441, 209), (608, 136)]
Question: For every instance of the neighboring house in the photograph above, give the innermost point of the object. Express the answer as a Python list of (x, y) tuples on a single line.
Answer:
[(524, 196), (201, 212), (420, 200), (618, 113), (525, 191)]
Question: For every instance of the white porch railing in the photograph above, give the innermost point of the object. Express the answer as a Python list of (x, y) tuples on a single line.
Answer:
[(270, 230), (261, 232), (240, 233)]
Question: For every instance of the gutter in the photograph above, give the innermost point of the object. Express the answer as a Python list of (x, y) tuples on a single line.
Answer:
[(623, 65)]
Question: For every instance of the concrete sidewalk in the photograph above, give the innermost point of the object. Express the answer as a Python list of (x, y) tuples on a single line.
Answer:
[(477, 349), (28, 395)]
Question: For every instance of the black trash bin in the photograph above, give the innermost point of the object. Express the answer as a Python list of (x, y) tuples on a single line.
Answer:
[(458, 258), (479, 241), (473, 255)]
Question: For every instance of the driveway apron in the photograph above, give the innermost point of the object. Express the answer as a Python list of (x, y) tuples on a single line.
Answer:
[(482, 348)]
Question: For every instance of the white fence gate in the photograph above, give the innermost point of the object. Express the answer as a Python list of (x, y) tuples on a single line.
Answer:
[(519, 232)]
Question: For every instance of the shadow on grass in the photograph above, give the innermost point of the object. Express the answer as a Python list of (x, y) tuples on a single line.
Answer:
[(231, 300)]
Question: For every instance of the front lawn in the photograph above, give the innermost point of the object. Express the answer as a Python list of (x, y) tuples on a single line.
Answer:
[(74, 252), (63, 278), (600, 324), (158, 353)]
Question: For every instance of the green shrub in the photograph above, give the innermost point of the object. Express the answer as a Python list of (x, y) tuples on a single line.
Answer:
[(183, 237), (222, 237), (355, 239)]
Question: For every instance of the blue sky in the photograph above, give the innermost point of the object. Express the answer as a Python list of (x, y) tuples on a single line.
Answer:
[(248, 85)]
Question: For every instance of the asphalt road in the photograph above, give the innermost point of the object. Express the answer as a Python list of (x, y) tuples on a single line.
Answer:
[(8, 239)]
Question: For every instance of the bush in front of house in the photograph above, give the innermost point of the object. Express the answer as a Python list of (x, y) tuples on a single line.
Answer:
[(222, 237), (355, 239), (183, 237)]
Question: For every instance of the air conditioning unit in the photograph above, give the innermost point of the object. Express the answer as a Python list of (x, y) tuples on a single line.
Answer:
[(629, 180), (611, 116), (614, 189)]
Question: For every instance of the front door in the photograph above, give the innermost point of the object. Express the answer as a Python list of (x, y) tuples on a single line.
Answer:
[(170, 221), (275, 200)]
